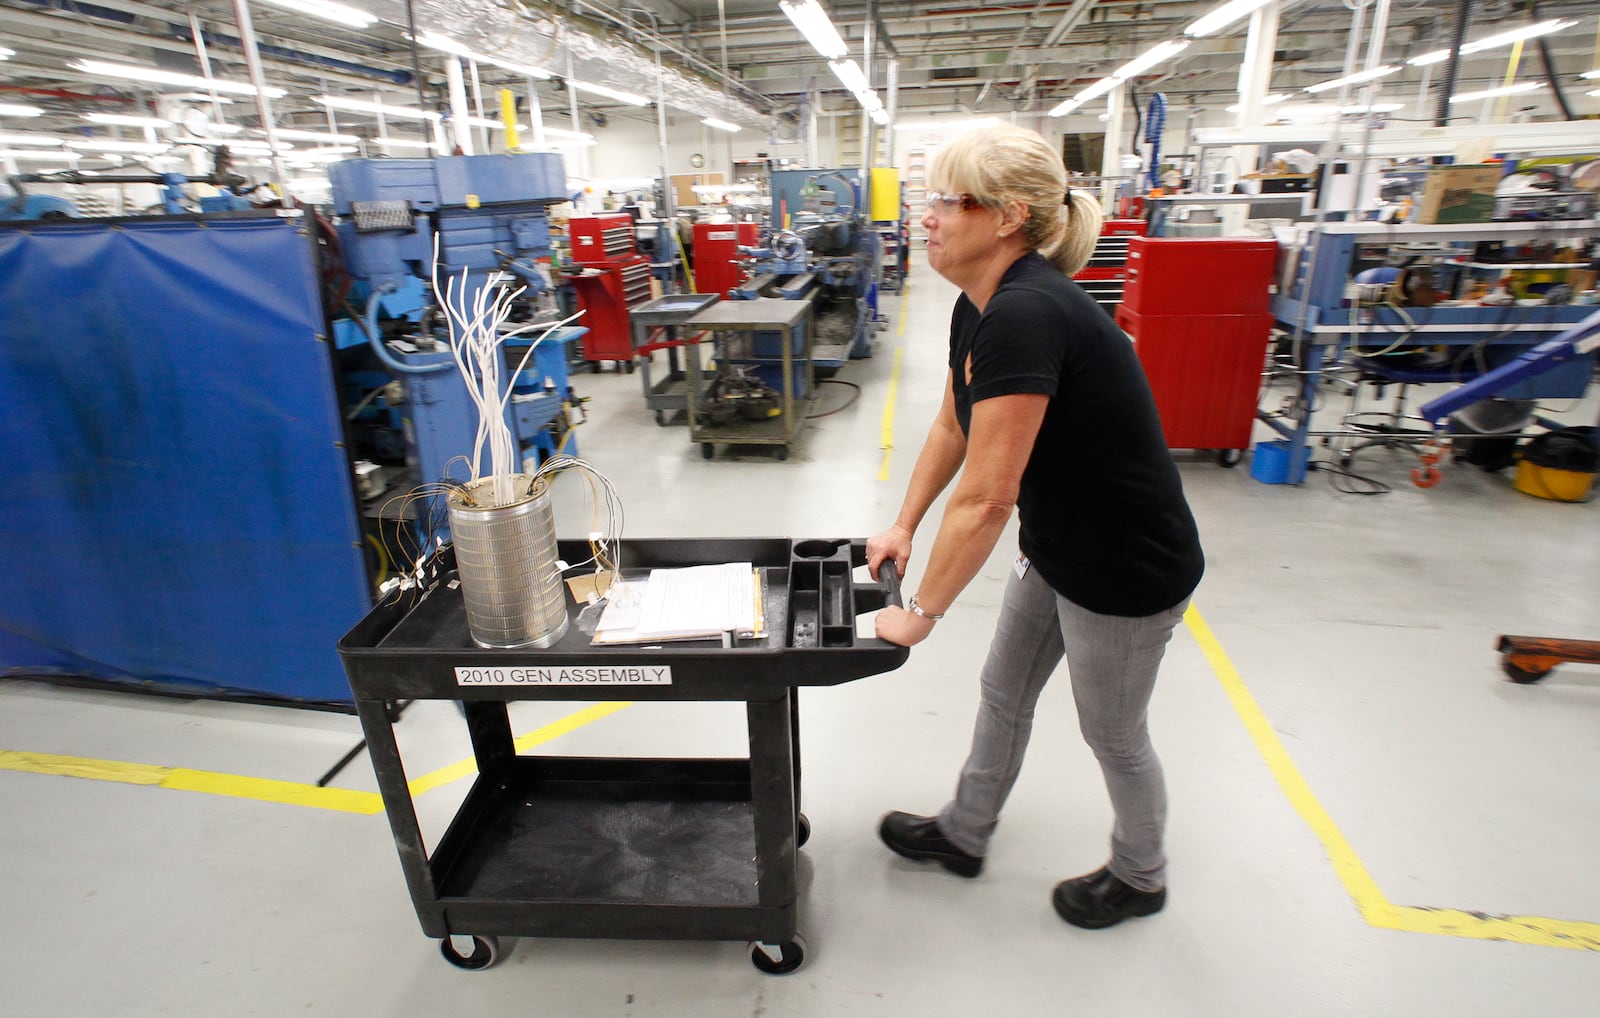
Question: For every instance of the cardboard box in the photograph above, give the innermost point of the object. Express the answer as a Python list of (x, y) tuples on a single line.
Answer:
[(1460, 194)]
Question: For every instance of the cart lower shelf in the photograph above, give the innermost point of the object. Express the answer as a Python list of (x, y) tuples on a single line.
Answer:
[(585, 830), (600, 847)]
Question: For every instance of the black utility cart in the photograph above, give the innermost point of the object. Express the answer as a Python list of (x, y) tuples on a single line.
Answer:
[(701, 849)]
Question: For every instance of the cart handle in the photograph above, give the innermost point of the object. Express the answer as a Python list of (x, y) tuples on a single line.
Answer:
[(889, 580)]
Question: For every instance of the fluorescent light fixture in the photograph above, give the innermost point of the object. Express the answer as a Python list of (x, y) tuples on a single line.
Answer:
[(445, 44), (562, 132), (157, 76), (122, 120), (1222, 16), (1138, 65), (571, 142), (721, 125), (362, 106), (947, 125), (1353, 79), (38, 154), (31, 139), (1090, 93), (257, 147), (109, 145), (880, 117), (295, 134), (218, 128), (14, 110), (1437, 56), (1492, 41), (1374, 108), (1517, 35), (850, 74), (405, 143), (327, 11), (1490, 93), (814, 23), (1594, 92), (610, 93), (485, 122), (7, 54), (1591, 74), (1149, 58), (326, 155)]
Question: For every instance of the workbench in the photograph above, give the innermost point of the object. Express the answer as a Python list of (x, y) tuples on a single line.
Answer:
[(618, 847), (736, 329), (655, 327)]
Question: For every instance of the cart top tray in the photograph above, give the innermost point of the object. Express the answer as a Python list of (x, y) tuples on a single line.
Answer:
[(761, 313), (672, 309), (418, 646)]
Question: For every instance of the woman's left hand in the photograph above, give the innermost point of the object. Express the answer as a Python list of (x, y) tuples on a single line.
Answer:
[(900, 626)]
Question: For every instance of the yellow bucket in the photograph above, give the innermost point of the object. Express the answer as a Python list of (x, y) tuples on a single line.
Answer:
[(1551, 483)]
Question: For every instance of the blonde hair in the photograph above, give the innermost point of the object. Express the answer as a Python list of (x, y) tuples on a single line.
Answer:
[(1001, 165)]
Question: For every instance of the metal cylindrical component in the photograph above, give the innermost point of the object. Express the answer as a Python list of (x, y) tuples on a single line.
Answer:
[(507, 560)]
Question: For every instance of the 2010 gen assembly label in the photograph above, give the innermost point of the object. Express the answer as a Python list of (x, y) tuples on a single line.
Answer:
[(576, 675)]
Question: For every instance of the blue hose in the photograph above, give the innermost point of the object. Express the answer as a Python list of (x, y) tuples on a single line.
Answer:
[(369, 325), (1155, 121)]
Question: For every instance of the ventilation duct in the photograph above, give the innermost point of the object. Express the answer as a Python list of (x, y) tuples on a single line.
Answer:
[(538, 35)]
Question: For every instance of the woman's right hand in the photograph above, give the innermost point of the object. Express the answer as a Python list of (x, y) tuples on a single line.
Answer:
[(893, 544)]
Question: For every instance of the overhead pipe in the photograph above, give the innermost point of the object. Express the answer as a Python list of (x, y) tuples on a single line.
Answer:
[(1549, 65), (1447, 84), (124, 18)]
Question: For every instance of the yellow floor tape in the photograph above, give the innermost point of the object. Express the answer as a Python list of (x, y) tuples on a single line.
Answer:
[(289, 793), (1370, 902), (886, 440), (1374, 907)]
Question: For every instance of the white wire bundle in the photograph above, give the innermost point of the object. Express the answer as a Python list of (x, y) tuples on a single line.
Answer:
[(604, 544), (476, 335)]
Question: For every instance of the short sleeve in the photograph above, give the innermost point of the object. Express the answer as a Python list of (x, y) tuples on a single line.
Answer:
[(1018, 346)]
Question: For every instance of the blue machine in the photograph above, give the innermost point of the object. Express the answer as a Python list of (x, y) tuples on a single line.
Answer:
[(489, 217), (47, 206), (824, 250)]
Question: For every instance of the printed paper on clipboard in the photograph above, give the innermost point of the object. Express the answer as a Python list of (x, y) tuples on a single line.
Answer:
[(693, 603)]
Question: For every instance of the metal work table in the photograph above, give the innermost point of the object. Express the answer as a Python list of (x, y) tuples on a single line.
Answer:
[(735, 327), (554, 846), (666, 397)]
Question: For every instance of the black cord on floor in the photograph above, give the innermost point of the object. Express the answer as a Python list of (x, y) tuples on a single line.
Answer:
[(1337, 476), (847, 403)]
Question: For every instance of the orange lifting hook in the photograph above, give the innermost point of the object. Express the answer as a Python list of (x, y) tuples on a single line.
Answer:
[(1428, 475)]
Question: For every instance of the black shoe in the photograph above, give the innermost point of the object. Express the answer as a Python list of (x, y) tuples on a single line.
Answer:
[(918, 838), (1099, 899)]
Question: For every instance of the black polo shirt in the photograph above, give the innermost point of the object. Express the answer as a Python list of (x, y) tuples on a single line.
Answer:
[(1104, 519)]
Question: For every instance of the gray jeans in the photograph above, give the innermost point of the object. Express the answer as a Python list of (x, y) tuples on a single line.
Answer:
[(1113, 662)]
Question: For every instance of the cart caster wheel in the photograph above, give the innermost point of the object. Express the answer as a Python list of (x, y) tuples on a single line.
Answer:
[(802, 830), (706, 450), (630, 367), (486, 951), (661, 418), (783, 453), (778, 959), (1229, 457), (1522, 675)]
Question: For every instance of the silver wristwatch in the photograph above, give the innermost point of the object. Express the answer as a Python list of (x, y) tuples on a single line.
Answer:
[(916, 609)]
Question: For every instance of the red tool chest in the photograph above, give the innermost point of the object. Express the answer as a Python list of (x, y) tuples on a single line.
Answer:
[(1197, 310), (614, 279), (716, 254), (1199, 275), (1105, 275)]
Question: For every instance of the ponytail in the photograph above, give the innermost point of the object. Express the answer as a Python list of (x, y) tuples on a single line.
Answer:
[(1081, 218)]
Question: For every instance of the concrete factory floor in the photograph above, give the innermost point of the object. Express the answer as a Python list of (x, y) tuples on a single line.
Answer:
[(1367, 816)]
